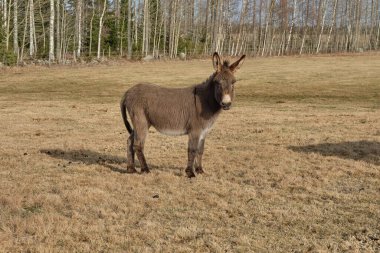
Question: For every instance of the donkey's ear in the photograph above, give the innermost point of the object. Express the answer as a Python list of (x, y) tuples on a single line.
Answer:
[(236, 65), (216, 62)]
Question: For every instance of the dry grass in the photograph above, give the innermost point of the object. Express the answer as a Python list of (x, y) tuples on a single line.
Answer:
[(294, 166)]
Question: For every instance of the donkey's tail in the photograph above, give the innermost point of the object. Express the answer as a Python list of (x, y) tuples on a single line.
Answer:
[(124, 113)]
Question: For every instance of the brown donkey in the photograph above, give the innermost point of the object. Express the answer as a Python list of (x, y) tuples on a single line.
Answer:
[(191, 110)]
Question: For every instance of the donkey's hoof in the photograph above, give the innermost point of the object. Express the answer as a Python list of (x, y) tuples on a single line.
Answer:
[(145, 170), (189, 173), (131, 169), (199, 170)]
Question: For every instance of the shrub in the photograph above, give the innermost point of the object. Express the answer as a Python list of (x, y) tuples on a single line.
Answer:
[(7, 57)]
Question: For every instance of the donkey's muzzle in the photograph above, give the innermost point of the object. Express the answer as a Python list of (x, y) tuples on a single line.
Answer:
[(226, 106)]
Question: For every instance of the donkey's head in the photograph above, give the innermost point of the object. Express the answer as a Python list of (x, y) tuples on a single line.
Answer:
[(224, 80)]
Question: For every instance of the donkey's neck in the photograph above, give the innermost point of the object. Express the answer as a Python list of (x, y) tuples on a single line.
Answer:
[(205, 94)]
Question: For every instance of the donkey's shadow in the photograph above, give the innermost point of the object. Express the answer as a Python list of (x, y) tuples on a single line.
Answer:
[(90, 157), (368, 151)]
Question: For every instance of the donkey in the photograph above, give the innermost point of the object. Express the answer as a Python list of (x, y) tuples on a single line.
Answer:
[(178, 111)]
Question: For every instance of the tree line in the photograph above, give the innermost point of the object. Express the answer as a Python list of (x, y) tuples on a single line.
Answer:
[(75, 30)]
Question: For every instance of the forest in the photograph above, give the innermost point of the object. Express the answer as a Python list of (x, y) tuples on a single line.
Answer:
[(66, 31)]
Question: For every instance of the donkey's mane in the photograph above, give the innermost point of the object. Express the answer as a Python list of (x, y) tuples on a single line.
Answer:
[(208, 80), (204, 84), (226, 64)]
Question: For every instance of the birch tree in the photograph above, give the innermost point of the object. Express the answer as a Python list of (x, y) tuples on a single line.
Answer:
[(199, 27), (292, 25), (58, 31), (91, 26), (323, 24), (51, 32), (7, 22), (4, 18), (129, 34), (25, 31), (32, 31), (146, 30), (79, 27), (333, 23), (15, 29), (268, 20), (305, 27), (101, 27)]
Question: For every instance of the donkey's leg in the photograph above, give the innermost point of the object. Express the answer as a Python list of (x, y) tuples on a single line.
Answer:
[(191, 152), (198, 160), (140, 132), (130, 155)]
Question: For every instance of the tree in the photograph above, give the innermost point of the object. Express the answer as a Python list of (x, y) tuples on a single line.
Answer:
[(32, 30), (101, 27), (58, 31), (129, 34), (198, 27), (78, 27), (333, 23), (292, 25), (323, 10), (91, 26), (51, 32), (15, 29)]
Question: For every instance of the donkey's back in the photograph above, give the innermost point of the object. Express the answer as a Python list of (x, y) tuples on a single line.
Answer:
[(166, 109)]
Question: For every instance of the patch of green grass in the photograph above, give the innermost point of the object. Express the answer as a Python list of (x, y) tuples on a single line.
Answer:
[(34, 208)]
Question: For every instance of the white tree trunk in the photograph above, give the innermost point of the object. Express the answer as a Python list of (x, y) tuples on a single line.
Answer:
[(155, 54), (119, 40), (159, 36), (43, 28), (172, 28), (7, 26), (58, 32), (147, 28), (292, 25), (51, 32), (5, 12), (323, 24), (377, 36), (63, 45), (15, 29), (242, 17), (101, 27), (32, 40), (357, 24), (165, 31), (281, 47), (129, 40), (304, 27), (145, 32), (135, 22), (268, 19), (91, 22), (79, 28), (176, 37), (332, 24), (24, 35)]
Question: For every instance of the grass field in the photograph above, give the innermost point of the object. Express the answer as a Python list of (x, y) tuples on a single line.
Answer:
[(294, 166)]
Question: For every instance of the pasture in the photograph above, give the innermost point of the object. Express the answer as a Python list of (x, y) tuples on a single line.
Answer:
[(294, 166)]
